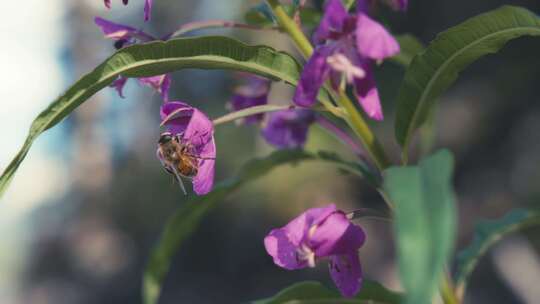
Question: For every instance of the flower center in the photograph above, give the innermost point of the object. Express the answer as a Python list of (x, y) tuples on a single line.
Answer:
[(341, 63), (304, 253)]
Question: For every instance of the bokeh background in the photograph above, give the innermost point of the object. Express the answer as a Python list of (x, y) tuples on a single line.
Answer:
[(87, 205)]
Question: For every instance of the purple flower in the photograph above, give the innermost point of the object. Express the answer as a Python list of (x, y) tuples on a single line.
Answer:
[(125, 36), (288, 129), (147, 7), (320, 233), (254, 92), (195, 134), (347, 46)]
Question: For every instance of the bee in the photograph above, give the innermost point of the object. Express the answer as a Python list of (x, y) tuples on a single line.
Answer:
[(178, 158)]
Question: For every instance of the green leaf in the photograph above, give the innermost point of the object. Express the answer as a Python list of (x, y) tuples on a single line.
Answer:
[(409, 46), (212, 52), (425, 222), (315, 292), (487, 233), (434, 70), (186, 219)]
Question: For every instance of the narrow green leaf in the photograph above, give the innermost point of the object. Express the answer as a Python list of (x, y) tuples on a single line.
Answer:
[(212, 52), (425, 222), (315, 292), (434, 70), (186, 219), (487, 233)]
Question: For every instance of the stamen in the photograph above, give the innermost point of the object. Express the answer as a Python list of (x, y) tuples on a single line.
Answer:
[(341, 63), (304, 253)]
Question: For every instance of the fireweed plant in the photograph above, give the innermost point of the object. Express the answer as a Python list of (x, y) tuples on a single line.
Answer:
[(342, 43)]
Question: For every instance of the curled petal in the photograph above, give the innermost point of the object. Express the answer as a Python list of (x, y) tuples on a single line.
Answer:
[(336, 235), (176, 115), (313, 76), (288, 129), (147, 9), (118, 85), (107, 3), (119, 31), (373, 40), (333, 20), (368, 94), (346, 273), (114, 30), (160, 83)]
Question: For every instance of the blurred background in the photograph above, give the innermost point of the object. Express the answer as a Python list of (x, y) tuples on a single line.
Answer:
[(91, 199)]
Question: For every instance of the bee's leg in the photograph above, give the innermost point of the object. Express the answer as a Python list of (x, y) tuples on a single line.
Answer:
[(179, 180)]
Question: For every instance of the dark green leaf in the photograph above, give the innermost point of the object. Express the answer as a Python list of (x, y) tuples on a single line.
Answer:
[(184, 221), (315, 292), (156, 58), (425, 222), (434, 70), (487, 233)]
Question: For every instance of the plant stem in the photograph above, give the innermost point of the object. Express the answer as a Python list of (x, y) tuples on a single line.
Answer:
[(448, 293), (291, 28), (362, 130), (354, 118)]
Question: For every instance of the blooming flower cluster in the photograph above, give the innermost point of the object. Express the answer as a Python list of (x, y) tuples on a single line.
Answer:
[(347, 45)]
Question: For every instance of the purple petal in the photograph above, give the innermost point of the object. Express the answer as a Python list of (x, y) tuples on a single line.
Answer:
[(119, 31), (200, 134), (373, 40), (313, 76), (118, 85), (346, 273), (334, 17), (147, 9), (368, 95), (114, 30), (107, 3), (288, 129), (177, 124), (203, 182), (284, 252), (336, 235), (160, 83), (253, 93), (283, 243)]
